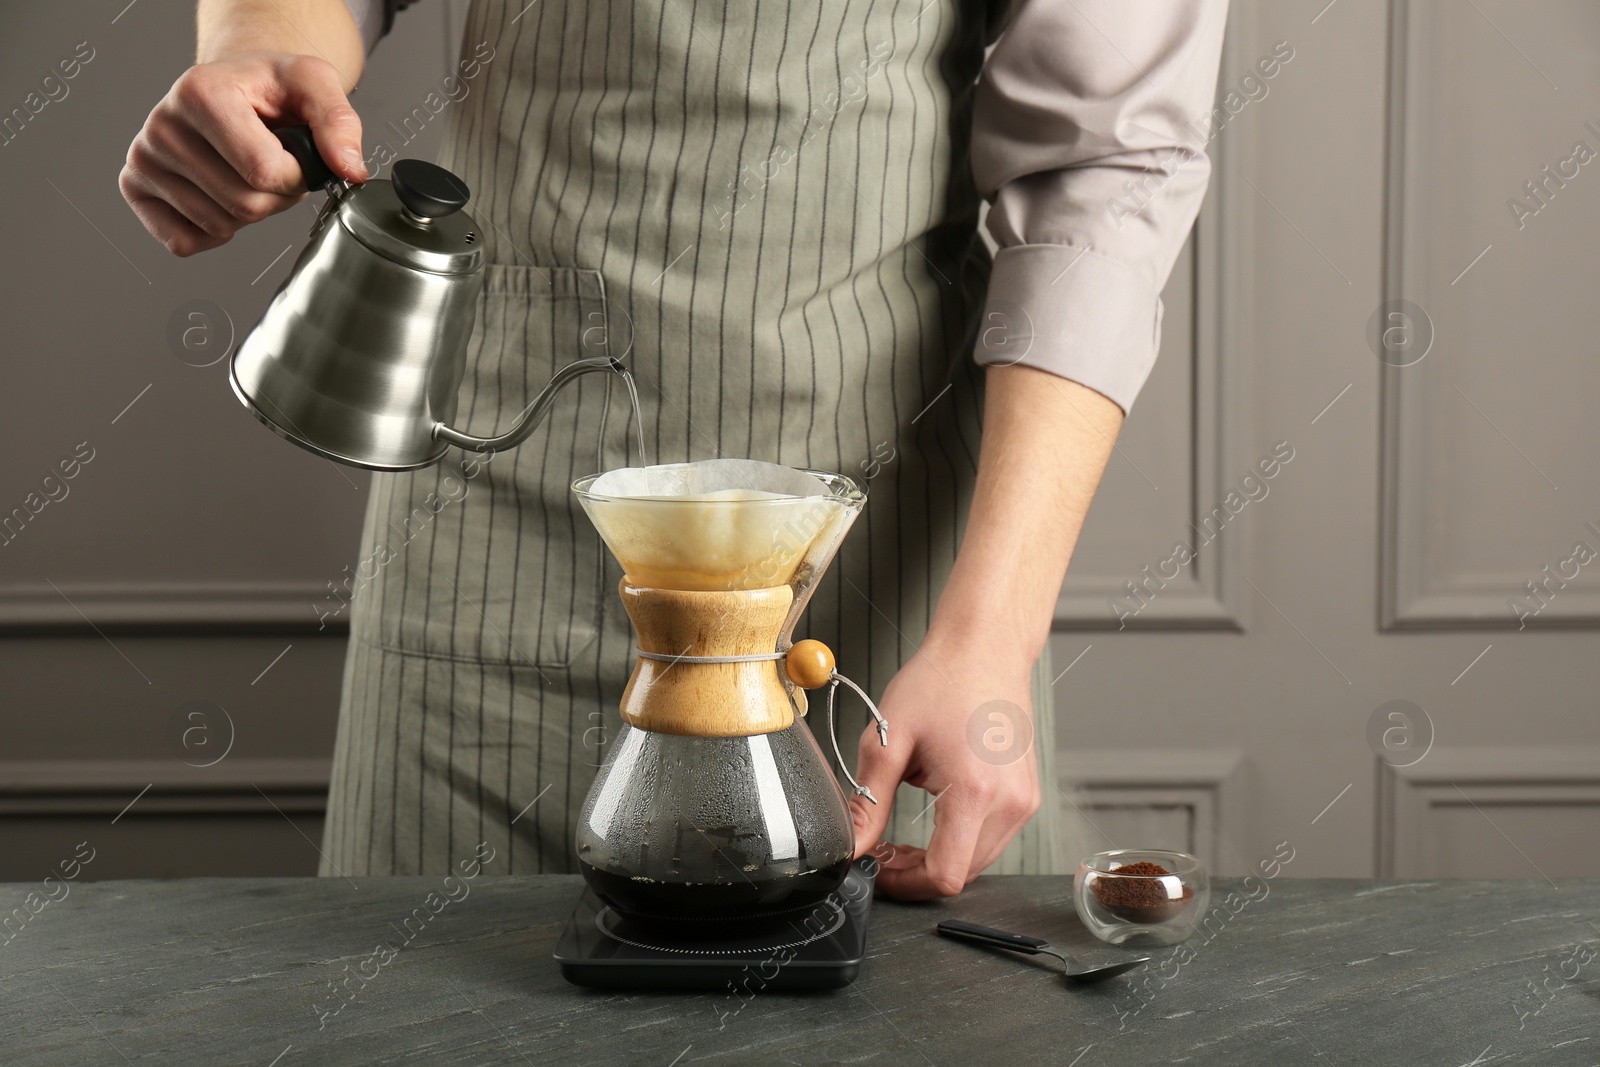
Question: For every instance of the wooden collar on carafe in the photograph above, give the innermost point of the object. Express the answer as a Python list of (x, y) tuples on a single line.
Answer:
[(678, 694)]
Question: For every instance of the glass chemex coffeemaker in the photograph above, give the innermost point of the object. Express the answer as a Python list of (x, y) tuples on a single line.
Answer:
[(715, 840)]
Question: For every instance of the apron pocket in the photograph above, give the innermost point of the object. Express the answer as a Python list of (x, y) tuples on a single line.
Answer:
[(494, 561)]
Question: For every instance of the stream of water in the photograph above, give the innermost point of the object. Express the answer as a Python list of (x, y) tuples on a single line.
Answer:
[(638, 419)]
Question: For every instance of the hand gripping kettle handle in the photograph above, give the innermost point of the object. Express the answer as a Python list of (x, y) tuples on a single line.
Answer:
[(530, 419)]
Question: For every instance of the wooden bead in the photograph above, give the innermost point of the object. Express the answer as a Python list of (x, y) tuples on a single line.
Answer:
[(809, 664)]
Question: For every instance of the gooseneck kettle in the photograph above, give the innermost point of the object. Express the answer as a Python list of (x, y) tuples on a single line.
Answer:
[(361, 352)]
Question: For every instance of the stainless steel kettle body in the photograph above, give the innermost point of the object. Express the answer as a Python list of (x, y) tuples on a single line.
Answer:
[(361, 352)]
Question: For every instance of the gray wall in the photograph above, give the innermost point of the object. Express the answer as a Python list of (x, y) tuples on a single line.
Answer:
[(188, 553)]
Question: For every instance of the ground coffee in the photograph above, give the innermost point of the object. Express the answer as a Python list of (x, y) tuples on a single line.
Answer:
[(1143, 898)]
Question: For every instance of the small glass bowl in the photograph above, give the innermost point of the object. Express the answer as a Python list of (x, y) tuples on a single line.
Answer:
[(1141, 909)]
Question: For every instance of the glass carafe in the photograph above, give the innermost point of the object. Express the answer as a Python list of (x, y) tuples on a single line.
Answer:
[(715, 800)]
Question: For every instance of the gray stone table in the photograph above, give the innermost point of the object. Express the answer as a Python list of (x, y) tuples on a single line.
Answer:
[(1315, 971)]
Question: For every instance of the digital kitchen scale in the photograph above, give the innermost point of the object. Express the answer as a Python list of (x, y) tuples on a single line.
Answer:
[(816, 947)]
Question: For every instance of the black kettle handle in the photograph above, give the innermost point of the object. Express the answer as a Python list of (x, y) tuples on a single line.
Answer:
[(303, 147), (984, 935)]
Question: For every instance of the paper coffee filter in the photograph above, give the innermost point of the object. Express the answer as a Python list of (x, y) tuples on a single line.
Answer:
[(714, 525), (706, 477)]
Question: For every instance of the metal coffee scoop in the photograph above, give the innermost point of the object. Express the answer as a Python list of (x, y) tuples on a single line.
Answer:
[(1033, 946)]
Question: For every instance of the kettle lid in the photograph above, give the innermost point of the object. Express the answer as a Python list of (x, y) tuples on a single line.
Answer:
[(416, 219)]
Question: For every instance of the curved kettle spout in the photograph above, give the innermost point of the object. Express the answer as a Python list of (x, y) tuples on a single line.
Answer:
[(530, 419)]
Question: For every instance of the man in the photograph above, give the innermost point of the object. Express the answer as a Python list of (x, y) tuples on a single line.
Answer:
[(777, 204)]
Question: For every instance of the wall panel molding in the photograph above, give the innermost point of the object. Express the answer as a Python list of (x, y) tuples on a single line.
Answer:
[(79, 787), (1187, 606), (1203, 783), (1413, 595), (1401, 415), (1561, 780), (171, 606)]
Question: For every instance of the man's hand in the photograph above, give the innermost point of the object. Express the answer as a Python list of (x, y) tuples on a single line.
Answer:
[(206, 163), (980, 803), (1045, 444)]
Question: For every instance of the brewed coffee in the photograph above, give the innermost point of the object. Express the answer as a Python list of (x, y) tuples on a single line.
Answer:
[(684, 827), (759, 893)]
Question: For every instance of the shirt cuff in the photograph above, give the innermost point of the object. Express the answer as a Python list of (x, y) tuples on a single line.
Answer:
[(1074, 313)]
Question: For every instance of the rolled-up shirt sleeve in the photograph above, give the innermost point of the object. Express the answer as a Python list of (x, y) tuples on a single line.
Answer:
[(1089, 135)]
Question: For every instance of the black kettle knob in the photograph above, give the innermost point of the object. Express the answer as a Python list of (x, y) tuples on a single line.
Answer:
[(303, 147), (428, 191)]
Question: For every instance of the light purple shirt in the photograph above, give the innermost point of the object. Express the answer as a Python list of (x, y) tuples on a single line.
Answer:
[(1088, 140)]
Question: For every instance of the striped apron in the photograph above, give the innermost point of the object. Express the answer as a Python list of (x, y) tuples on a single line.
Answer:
[(766, 210)]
